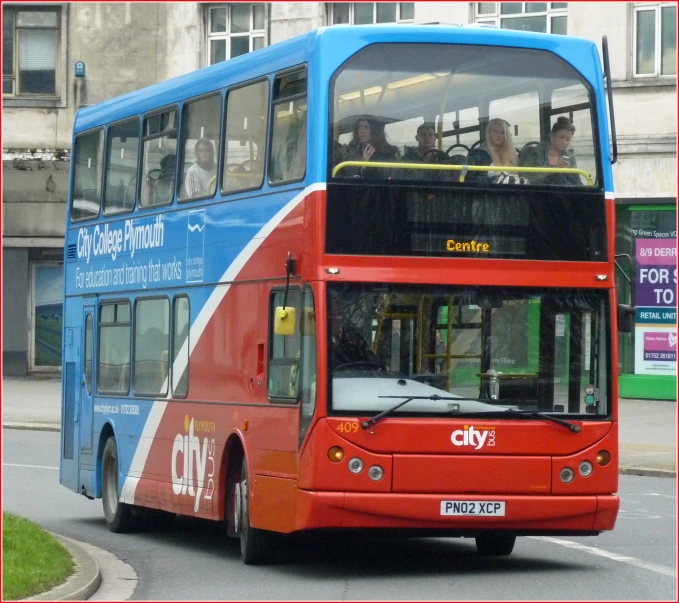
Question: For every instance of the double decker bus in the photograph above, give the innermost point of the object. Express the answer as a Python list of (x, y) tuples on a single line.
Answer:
[(280, 317)]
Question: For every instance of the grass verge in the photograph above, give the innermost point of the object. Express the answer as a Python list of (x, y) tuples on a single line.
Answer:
[(33, 561)]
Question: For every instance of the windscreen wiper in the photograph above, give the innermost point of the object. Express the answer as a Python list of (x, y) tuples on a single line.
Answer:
[(378, 417), (531, 414)]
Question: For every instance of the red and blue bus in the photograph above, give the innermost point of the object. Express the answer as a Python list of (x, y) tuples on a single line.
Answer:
[(359, 280)]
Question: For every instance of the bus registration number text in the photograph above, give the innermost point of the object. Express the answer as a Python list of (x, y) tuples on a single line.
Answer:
[(482, 508)]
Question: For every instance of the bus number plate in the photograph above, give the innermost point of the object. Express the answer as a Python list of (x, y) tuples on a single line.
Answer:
[(481, 508)]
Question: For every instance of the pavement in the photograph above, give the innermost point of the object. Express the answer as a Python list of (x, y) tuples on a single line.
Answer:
[(647, 446)]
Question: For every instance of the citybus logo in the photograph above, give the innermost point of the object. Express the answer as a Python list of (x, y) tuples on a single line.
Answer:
[(478, 437), (193, 462)]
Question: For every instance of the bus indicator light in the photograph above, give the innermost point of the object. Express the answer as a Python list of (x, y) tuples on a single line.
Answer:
[(603, 457), (336, 454)]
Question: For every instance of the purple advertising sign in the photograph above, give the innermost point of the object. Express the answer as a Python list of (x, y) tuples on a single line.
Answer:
[(656, 275), (660, 346)]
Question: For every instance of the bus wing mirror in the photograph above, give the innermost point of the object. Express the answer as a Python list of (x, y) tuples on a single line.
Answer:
[(284, 323), (626, 316)]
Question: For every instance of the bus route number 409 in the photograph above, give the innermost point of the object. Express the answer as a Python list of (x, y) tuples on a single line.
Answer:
[(484, 508)]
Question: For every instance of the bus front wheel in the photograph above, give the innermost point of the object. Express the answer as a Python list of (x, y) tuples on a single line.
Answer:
[(498, 545), (256, 546), (118, 515)]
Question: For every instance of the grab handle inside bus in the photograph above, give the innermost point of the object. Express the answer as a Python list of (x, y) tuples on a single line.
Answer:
[(609, 90)]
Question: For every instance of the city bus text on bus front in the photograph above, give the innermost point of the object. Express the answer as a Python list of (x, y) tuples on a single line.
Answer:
[(107, 241)]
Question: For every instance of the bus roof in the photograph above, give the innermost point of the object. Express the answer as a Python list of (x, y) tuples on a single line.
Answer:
[(336, 44)]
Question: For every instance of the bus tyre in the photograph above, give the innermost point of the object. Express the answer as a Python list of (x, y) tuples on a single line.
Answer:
[(256, 546), (119, 517), (495, 545)]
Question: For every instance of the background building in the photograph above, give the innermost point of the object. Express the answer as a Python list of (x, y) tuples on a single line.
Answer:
[(60, 57)]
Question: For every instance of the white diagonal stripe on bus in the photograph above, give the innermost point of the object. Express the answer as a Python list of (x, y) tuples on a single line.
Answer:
[(179, 365)]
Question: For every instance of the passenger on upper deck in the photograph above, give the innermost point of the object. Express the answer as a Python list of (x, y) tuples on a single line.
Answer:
[(499, 144), (200, 177), (426, 141), (369, 143), (556, 155)]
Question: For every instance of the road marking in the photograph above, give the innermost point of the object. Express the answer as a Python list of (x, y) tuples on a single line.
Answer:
[(654, 567), (30, 466)]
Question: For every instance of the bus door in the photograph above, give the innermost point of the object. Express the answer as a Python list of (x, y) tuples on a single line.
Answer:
[(70, 429), (85, 384)]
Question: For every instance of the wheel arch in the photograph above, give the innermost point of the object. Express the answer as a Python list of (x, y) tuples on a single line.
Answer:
[(106, 432)]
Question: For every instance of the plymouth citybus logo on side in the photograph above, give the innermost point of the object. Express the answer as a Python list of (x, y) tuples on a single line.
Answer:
[(193, 461)]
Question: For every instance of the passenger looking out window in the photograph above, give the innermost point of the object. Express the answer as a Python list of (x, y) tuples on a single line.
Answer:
[(425, 149), (369, 143), (201, 177)]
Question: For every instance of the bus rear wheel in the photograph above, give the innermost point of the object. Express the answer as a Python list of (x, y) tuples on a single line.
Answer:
[(497, 545), (256, 546), (119, 517)]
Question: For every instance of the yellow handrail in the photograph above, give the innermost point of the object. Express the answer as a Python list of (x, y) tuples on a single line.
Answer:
[(459, 168)]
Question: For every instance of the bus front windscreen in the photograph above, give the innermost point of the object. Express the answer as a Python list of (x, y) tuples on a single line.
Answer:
[(510, 115), (482, 349)]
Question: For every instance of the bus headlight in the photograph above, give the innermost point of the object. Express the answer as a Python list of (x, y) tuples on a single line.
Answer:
[(585, 469), (376, 473), (567, 475), (355, 465)]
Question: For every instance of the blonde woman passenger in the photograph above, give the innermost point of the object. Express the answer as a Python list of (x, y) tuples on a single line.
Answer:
[(499, 144)]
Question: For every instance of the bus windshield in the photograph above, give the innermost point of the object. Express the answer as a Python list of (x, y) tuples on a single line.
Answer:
[(494, 347), (453, 113)]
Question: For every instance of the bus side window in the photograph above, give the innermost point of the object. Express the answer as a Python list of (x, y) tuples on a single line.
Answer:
[(151, 346), (247, 116), (86, 195), (199, 147), (180, 347), (113, 368), (288, 139), (159, 159), (121, 167), (284, 350)]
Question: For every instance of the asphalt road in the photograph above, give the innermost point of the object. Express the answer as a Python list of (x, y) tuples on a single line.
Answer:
[(637, 561)]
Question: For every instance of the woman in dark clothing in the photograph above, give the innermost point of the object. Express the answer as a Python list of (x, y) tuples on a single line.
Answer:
[(369, 143)]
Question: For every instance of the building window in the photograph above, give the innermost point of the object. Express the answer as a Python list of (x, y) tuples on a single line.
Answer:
[(235, 29), (655, 40), (30, 43), (543, 17), (366, 13)]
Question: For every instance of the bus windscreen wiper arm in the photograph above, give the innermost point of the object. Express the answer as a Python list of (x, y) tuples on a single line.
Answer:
[(378, 417), (536, 415)]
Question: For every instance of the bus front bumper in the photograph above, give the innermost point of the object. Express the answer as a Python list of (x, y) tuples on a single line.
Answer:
[(527, 514)]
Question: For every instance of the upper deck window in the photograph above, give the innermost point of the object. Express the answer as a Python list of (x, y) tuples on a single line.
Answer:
[(289, 129), (483, 114), (542, 17), (86, 189), (159, 160), (200, 147), (121, 167), (366, 13), (235, 29)]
